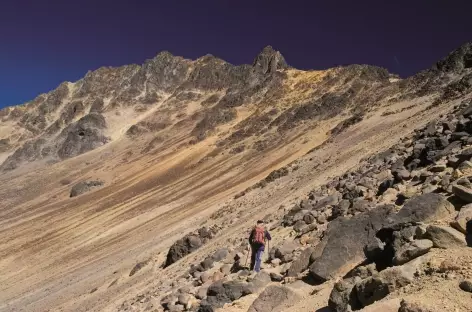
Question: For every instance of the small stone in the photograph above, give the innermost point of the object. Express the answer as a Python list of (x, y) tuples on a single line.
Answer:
[(304, 239), (438, 168), (322, 219), (448, 265), (411, 307), (217, 276), (184, 299), (308, 218), (202, 292), (276, 261), (456, 174), (429, 189), (402, 174), (275, 277), (466, 285), (390, 195), (466, 168), (205, 277), (225, 269)]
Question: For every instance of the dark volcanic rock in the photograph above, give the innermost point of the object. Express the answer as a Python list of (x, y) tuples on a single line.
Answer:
[(192, 242), (466, 286), (84, 187), (183, 247), (345, 240), (425, 208), (220, 293)]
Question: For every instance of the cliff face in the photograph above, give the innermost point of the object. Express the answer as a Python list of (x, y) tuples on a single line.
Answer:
[(167, 91)]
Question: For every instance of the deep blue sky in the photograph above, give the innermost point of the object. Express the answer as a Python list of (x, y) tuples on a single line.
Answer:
[(43, 43)]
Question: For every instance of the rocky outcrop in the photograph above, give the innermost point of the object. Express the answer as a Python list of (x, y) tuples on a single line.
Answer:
[(189, 243)]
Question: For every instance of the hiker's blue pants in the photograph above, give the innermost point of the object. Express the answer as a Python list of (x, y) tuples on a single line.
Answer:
[(256, 257)]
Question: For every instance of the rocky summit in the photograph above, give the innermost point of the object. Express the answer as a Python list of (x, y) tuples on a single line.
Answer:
[(135, 188)]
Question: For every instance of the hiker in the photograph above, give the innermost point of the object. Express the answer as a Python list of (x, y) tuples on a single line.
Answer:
[(257, 241)]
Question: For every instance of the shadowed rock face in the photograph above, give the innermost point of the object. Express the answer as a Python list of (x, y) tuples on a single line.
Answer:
[(83, 136), (75, 118)]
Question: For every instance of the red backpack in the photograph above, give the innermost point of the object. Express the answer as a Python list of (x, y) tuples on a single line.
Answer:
[(259, 235)]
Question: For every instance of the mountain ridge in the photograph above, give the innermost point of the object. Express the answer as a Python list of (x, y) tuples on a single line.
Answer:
[(177, 146)]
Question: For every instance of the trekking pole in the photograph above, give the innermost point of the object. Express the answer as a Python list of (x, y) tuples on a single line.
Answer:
[(268, 251), (247, 256)]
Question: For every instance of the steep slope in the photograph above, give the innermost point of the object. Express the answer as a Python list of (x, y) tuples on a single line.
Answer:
[(174, 140)]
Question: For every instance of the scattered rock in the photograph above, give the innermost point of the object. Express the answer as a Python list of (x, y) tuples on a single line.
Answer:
[(84, 187), (302, 263), (465, 214), (445, 237), (205, 277), (309, 218), (462, 192), (466, 285), (275, 277), (438, 168), (220, 293), (175, 308), (225, 269), (425, 208), (411, 251), (285, 251), (220, 254), (138, 267), (411, 307), (274, 299)]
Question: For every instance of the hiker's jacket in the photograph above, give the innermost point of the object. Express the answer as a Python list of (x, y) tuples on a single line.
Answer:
[(255, 245)]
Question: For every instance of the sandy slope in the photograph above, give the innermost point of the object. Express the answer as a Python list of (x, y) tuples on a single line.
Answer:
[(56, 249)]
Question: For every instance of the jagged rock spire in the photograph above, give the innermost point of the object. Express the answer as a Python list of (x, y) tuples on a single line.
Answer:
[(457, 60), (269, 61)]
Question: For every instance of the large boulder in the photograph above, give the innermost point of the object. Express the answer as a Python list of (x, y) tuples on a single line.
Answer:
[(274, 299), (192, 242), (183, 247), (425, 208), (345, 240)]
